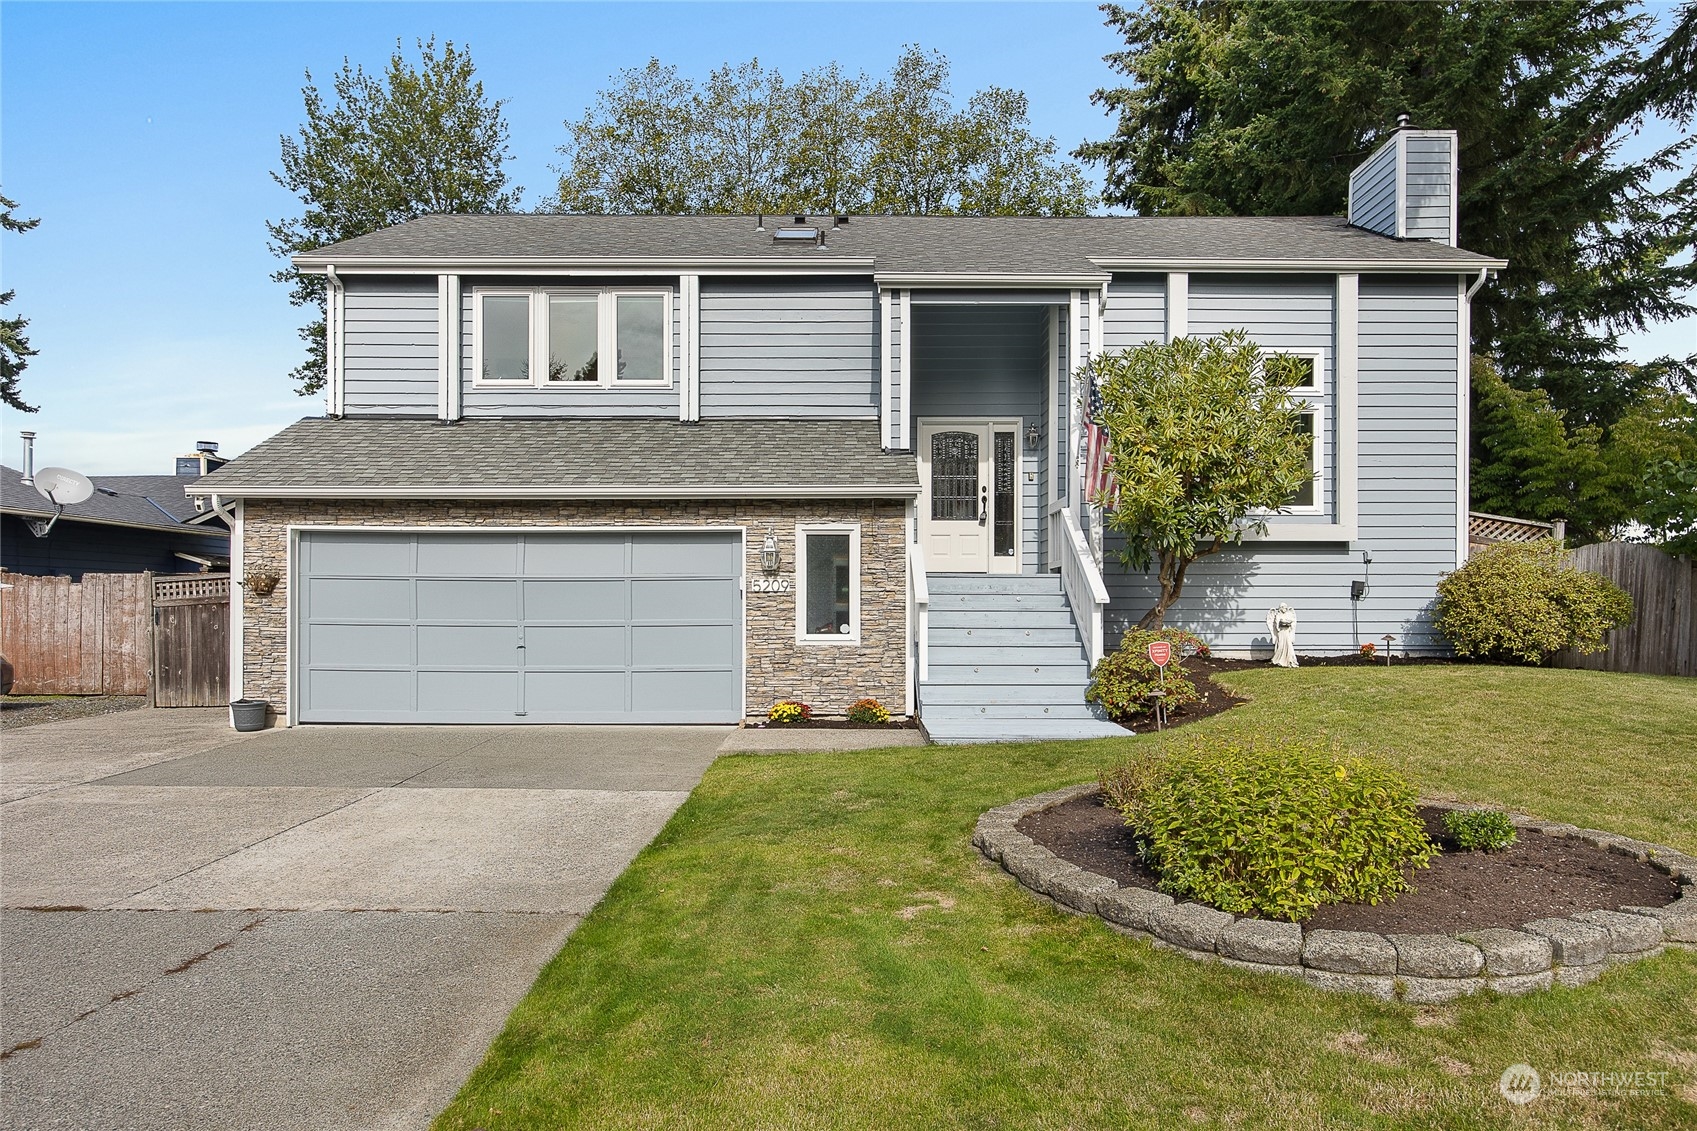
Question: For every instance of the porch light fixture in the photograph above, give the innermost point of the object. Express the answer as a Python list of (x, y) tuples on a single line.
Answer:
[(1031, 437), (769, 554)]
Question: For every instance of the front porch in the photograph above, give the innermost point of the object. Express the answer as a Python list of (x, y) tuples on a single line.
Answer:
[(1008, 599)]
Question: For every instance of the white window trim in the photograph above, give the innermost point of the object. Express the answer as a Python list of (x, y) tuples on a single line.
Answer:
[(1311, 400), (606, 330), (802, 531), (1315, 354)]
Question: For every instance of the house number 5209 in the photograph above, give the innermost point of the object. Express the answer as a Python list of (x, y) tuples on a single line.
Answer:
[(770, 585)]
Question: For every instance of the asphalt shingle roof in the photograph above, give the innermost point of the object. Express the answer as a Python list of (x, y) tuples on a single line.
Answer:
[(902, 245), (140, 500), (368, 455)]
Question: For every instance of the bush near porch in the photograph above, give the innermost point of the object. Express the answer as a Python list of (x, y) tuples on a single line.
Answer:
[(813, 942)]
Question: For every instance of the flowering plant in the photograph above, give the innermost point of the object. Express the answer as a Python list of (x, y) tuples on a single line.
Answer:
[(789, 711), (868, 711), (1368, 649)]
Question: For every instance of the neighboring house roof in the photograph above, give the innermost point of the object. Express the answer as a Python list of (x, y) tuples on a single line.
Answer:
[(897, 246), (565, 458), (146, 501)]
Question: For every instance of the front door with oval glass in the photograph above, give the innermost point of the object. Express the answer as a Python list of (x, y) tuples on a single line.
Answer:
[(969, 496)]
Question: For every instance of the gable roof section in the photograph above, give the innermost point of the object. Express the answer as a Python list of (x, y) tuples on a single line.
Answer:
[(897, 247), (144, 501), (568, 458)]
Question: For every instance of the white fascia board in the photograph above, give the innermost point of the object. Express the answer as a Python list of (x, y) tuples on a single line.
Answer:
[(1302, 532), (748, 491), (992, 281), (1297, 266), (576, 265)]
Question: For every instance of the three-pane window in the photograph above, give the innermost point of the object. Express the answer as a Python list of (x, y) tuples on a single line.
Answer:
[(572, 338)]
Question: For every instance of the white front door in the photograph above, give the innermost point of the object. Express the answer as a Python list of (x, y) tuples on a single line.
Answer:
[(969, 496)]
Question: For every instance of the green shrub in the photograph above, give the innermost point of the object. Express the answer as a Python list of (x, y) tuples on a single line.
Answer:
[(789, 711), (1124, 679), (1485, 830), (868, 711), (1274, 829), (1524, 601)]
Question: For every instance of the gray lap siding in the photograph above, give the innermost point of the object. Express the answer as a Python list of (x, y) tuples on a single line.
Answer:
[(829, 677)]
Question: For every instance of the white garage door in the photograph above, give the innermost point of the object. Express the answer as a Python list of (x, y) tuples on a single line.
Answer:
[(483, 627)]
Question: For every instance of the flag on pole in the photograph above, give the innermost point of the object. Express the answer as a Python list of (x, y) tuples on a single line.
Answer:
[(1099, 481)]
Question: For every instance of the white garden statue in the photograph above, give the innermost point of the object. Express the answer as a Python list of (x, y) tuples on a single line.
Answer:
[(1281, 623)]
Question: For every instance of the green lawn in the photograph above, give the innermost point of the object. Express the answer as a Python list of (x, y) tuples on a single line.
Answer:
[(813, 942)]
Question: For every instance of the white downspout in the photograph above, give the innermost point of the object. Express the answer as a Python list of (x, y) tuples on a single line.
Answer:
[(1484, 273), (332, 343)]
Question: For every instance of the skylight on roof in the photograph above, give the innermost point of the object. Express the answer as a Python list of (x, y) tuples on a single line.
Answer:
[(796, 234)]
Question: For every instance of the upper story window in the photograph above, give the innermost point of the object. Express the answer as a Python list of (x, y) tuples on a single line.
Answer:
[(557, 338), (1309, 394)]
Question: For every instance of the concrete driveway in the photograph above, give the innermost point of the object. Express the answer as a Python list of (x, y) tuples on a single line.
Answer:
[(316, 928)]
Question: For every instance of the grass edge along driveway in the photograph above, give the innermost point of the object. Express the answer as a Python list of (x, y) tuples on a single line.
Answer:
[(813, 942)]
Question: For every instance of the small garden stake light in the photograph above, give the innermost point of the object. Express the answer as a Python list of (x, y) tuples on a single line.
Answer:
[(1387, 638)]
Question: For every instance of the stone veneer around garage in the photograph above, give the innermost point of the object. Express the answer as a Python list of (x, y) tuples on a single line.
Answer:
[(1413, 968), (829, 677)]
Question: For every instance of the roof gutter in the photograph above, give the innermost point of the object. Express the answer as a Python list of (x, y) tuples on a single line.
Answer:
[(313, 264), (485, 491), (1484, 273), (1042, 282), (1329, 266)]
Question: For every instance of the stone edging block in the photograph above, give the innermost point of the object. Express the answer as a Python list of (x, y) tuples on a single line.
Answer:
[(1394, 967)]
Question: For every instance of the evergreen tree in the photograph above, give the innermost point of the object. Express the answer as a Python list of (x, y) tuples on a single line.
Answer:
[(15, 350), (1263, 108), (410, 142)]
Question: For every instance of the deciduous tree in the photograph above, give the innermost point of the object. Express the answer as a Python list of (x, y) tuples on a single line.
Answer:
[(412, 141), (1203, 435), (747, 140)]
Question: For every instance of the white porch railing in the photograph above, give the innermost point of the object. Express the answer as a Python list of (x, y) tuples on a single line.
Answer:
[(919, 594), (1082, 580)]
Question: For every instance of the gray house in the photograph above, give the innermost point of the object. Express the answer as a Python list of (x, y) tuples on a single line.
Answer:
[(672, 469)]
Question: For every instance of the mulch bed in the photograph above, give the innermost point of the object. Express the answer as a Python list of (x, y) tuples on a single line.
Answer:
[(837, 724), (1539, 877), (1215, 698), (30, 710)]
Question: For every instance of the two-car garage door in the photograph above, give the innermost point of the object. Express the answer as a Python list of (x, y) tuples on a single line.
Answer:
[(503, 627)]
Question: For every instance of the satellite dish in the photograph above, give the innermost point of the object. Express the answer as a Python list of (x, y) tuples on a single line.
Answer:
[(63, 487)]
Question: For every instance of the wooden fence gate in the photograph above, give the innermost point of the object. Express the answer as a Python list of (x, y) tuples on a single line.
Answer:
[(1662, 638), (86, 637), (191, 640)]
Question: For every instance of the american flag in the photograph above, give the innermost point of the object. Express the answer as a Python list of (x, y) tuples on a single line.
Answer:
[(1099, 481)]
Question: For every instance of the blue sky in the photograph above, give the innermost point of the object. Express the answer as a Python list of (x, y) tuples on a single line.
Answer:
[(143, 136)]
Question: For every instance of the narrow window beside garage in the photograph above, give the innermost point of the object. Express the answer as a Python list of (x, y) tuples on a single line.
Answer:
[(830, 586)]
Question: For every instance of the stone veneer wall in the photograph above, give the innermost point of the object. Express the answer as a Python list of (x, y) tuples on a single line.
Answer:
[(830, 677)]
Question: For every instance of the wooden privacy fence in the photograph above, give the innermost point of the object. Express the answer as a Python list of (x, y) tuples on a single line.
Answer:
[(1662, 638), (87, 637), (191, 640)]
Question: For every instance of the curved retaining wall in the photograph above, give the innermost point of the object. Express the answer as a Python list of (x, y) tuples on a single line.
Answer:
[(1413, 968)]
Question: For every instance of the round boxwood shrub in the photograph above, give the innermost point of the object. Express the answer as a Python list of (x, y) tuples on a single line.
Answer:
[(1524, 601), (1125, 678), (1273, 829)]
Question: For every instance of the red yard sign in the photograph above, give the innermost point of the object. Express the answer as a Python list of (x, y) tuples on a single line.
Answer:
[(1160, 653)]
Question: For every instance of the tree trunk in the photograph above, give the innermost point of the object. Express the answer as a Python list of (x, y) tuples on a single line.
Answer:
[(1172, 586)]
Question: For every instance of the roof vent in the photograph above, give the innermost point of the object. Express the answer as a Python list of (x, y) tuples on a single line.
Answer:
[(210, 447), (1404, 121), (801, 219), (760, 221)]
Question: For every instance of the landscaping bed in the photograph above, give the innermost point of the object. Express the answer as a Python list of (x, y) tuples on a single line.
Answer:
[(811, 942), (1538, 877)]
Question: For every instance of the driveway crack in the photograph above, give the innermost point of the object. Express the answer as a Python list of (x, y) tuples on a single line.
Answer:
[(124, 995)]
